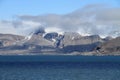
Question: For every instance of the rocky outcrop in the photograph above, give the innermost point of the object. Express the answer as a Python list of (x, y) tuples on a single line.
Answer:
[(51, 36)]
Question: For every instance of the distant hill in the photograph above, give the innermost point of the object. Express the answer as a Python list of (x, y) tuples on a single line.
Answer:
[(111, 46)]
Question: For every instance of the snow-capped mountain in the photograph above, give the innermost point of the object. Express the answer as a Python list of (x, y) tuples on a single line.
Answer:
[(40, 41)]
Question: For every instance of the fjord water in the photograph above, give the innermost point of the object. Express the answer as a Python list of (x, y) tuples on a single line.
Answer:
[(60, 70)]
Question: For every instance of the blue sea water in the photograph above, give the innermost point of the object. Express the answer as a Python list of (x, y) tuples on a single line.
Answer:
[(59, 71)]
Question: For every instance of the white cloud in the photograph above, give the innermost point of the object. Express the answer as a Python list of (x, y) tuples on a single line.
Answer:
[(92, 19), (7, 28), (26, 27), (53, 29)]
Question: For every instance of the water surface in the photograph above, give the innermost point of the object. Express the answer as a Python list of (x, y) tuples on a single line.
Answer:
[(59, 71)]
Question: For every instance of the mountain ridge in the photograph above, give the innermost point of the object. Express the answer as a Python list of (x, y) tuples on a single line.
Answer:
[(55, 43)]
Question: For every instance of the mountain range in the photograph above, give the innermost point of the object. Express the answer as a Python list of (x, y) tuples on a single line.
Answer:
[(40, 42)]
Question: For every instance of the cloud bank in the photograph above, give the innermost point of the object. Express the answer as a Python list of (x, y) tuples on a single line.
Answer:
[(93, 19)]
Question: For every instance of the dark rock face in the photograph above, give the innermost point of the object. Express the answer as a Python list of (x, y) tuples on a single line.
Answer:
[(58, 42), (54, 37), (50, 36), (1, 44)]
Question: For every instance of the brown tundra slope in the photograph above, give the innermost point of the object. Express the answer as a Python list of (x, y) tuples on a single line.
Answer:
[(9, 39), (110, 47)]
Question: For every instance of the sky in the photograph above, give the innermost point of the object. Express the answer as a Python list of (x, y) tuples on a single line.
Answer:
[(12, 8), (87, 17)]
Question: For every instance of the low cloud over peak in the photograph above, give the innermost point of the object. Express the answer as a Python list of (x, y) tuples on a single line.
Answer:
[(91, 19)]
